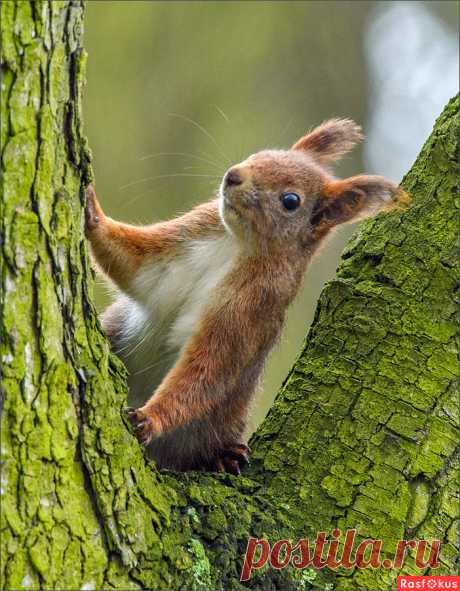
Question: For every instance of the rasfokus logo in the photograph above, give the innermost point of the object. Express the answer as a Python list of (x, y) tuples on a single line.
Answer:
[(432, 583)]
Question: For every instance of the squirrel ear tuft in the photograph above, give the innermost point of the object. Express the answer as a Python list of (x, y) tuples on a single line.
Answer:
[(330, 140), (356, 198)]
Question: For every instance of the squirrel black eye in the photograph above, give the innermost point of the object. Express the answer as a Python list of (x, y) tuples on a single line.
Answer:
[(290, 201)]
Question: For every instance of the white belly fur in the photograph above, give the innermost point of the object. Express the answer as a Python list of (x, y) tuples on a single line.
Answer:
[(169, 302)]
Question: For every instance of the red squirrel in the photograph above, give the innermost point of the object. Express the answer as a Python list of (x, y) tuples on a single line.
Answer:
[(205, 294)]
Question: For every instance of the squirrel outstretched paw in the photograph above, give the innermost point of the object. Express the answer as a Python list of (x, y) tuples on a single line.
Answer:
[(232, 458), (93, 211), (144, 425)]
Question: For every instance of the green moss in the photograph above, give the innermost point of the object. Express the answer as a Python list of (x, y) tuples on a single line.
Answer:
[(338, 489), (200, 569), (420, 502)]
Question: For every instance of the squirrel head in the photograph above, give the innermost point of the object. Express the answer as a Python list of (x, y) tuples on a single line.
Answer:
[(289, 197)]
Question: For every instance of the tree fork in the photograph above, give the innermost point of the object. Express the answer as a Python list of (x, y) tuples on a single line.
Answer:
[(363, 433)]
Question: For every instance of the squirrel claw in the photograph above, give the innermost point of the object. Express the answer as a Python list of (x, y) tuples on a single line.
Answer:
[(232, 458), (140, 425), (239, 452), (143, 425), (232, 466), (220, 466)]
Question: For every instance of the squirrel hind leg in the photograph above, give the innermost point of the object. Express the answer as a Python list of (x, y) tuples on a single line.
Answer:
[(185, 449), (232, 458)]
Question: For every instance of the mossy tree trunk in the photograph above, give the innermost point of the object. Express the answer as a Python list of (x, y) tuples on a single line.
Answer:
[(363, 434)]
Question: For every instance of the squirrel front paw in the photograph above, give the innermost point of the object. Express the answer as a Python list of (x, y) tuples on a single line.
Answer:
[(93, 212), (232, 458), (146, 425)]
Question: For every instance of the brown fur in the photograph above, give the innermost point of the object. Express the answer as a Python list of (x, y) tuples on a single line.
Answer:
[(330, 140), (197, 415)]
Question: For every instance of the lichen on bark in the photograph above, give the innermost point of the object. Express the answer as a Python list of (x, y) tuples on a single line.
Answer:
[(363, 433)]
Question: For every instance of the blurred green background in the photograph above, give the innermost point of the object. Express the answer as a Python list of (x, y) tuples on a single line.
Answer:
[(178, 91)]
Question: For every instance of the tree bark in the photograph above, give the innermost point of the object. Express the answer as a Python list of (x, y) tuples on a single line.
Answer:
[(363, 434)]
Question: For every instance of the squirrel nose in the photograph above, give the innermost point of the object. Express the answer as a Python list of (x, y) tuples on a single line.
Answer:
[(233, 178)]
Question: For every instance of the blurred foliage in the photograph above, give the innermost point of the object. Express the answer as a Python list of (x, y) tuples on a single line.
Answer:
[(178, 91)]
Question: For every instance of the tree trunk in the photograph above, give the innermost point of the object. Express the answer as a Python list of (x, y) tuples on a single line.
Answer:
[(362, 435)]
